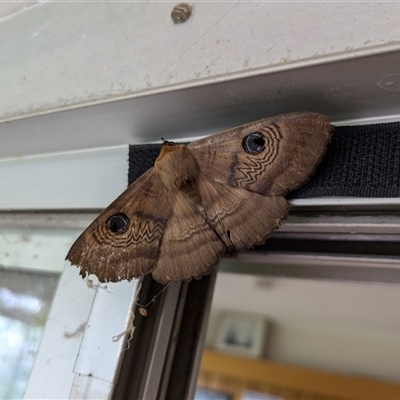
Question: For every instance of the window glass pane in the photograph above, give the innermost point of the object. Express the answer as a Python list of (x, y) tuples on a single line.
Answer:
[(25, 301)]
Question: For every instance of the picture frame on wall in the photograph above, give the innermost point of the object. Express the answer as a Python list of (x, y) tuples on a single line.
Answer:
[(241, 334)]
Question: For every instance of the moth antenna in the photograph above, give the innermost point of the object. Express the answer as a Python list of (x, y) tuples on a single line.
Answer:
[(168, 142)]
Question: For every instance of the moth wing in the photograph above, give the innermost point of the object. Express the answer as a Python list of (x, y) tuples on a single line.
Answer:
[(114, 256), (293, 146), (189, 247), (242, 219)]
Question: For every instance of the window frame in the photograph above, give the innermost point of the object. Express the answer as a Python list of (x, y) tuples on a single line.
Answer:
[(79, 369)]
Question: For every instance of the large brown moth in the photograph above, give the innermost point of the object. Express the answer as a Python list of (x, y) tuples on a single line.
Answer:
[(219, 194)]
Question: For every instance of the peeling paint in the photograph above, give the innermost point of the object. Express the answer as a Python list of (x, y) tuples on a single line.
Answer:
[(78, 331)]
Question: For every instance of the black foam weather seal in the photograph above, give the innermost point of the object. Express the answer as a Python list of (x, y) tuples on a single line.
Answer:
[(361, 161)]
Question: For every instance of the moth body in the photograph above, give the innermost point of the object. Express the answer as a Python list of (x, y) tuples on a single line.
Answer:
[(176, 166)]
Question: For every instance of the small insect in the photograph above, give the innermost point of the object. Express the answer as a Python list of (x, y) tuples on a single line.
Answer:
[(143, 312), (181, 13)]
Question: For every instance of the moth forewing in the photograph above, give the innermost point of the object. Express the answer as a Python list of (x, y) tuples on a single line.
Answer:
[(123, 241), (286, 155)]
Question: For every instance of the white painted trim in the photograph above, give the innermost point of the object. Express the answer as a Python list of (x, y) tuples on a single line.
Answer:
[(114, 50), (319, 260), (107, 331), (35, 249), (52, 375), (78, 180), (347, 202)]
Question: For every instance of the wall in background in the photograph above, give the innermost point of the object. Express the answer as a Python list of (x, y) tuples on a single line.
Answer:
[(343, 327)]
